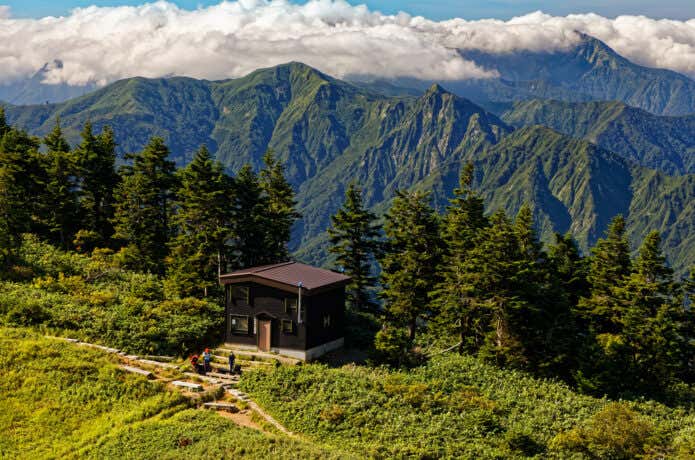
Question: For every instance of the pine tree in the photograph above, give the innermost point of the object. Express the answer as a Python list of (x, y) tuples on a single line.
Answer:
[(60, 200), (497, 267), (570, 267), (279, 211), (354, 239), (250, 225), (462, 231), (19, 169), (96, 158), (143, 207), (652, 346), (409, 265), (4, 127), (203, 224), (609, 266)]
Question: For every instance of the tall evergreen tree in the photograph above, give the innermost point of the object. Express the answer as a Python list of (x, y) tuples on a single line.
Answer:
[(609, 266), (496, 283), (60, 201), (570, 267), (203, 224), (143, 207), (250, 225), (19, 171), (354, 239), (279, 210), (96, 158), (651, 344), (462, 231), (409, 264), (4, 127)]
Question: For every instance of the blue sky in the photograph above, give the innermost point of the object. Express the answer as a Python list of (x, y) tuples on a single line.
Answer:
[(439, 9)]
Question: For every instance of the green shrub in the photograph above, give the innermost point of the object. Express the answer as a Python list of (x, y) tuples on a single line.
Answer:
[(96, 299), (615, 432)]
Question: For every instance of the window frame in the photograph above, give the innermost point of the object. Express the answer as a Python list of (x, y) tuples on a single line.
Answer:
[(246, 297), (239, 331), (283, 323), (291, 310)]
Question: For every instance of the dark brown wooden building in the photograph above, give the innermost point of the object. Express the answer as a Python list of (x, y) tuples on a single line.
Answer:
[(290, 308)]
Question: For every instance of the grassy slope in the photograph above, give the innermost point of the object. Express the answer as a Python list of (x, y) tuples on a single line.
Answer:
[(58, 400), (452, 407)]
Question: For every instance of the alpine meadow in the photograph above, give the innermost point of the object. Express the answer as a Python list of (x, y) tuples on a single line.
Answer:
[(310, 229)]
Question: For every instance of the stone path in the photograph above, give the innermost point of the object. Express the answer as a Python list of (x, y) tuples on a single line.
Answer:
[(213, 379)]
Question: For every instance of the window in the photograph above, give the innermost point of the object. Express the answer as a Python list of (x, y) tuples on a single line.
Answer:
[(239, 323), (291, 305), (240, 294), (287, 326), (327, 321)]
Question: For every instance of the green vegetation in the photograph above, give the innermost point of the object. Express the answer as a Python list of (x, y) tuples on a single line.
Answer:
[(662, 143), (59, 400), (329, 133), (94, 298), (457, 406), (354, 238)]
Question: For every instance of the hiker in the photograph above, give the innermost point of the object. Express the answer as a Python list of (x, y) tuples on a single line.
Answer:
[(231, 362), (207, 357), (194, 363)]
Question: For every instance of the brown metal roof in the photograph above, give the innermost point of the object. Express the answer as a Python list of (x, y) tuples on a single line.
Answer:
[(289, 274)]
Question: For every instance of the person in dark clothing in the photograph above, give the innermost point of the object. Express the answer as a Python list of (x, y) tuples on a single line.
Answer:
[(231, 362), (197, 366)]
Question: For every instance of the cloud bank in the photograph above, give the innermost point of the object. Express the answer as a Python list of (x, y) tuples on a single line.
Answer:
[(230, 39)]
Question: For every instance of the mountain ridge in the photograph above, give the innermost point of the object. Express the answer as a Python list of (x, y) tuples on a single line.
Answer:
[(330, 133)]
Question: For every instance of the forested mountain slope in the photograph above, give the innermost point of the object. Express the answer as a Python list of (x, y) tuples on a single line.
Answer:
[(658, 142), (330, 133), (576, 186)]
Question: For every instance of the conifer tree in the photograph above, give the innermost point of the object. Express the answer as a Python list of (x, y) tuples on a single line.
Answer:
[(462, 231), (570, 267), (609, 266), (409, 264), (354, 239), (279, 210), (652, 346), (4, 127), (203, 224), (250, 225), (96, 158), (496, 283), (19, 171), (60, 201), (143, 207)]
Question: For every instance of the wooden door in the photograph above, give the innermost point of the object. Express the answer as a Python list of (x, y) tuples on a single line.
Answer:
[(264, 335)]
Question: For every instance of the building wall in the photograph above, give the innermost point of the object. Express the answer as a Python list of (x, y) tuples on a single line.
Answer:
[(326, 304), (268, 302)]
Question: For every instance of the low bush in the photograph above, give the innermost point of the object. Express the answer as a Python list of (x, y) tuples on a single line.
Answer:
[(460, 407), (94, 299)]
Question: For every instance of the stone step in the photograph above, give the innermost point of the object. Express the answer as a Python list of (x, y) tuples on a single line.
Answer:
[(157, 363), (137, 370), (229, 407), (187, 385), (214, 379), (223, 376)]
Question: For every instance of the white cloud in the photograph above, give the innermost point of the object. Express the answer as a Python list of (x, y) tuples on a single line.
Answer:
[(233, 38)]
